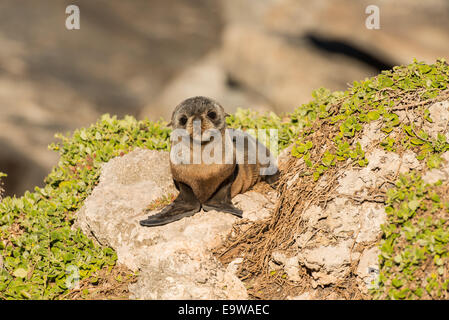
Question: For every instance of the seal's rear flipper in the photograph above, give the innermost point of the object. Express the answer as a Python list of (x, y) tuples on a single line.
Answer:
[(185, 205), (272, 179), (229, 208), (221, 200)]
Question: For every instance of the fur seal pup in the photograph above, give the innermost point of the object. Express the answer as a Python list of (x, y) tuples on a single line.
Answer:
[(223, 170)]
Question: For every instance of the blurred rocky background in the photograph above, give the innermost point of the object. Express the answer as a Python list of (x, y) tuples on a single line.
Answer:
[(142, 57)]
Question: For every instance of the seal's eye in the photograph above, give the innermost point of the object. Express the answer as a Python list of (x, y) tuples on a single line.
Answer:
[(212, 115), (183, 120)]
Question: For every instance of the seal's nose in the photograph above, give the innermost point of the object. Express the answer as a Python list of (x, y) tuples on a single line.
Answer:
[(197, 130)]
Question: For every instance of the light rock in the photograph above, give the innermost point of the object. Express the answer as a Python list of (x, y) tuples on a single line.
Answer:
[(434, 175), (174, 260), (290, 265), (254, 205), (186, 274), (313, 214), (445, 156), (127, 186), (409, 162), (322, 279), (304, 237), (328, 263), (439, 113), (353, 181), (363, 221), (234, 265), (304, 296), (382, 165), (368, 267), (371, 133), (330, 257)]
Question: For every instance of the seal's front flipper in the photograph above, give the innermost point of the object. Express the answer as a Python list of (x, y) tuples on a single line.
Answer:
[(185, 205), (229, 208), (221, 200), (272, 179)]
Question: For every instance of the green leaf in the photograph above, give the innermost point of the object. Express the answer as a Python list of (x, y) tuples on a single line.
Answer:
[(435, 197), (419, 292), (413, 205), (397, 283), (83, 135), (328, 159), (416, 141), (20, 273), (434, 161), (373, 115)]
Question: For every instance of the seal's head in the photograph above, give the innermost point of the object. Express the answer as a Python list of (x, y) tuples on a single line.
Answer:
[(197, 115)]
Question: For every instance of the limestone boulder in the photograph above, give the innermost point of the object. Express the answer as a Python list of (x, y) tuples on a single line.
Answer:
[(174, 261)]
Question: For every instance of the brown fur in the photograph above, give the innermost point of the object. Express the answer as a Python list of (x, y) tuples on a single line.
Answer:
[(248, 176), (204, 179)]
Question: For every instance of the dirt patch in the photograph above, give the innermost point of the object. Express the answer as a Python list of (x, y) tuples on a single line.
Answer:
[(109, 283)]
